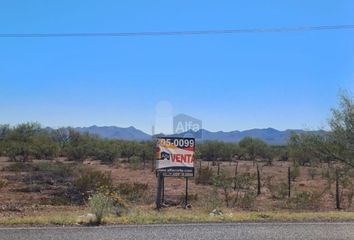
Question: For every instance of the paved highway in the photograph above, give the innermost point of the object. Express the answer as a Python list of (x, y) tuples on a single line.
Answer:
[(187, 231)]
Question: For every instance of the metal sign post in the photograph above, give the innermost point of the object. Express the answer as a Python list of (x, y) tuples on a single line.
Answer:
[(186, 197), (163, 190), (159, 188)]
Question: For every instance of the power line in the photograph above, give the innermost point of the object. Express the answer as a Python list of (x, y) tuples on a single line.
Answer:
[(177, 33)]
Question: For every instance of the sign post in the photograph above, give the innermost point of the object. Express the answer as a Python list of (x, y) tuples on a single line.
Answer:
[(159, 189), (174, 158), (186, 196)]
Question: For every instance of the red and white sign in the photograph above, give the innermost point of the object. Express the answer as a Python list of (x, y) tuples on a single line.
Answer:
[(175, 153)]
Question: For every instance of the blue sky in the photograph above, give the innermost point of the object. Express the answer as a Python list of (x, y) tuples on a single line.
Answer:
[(240, 81)]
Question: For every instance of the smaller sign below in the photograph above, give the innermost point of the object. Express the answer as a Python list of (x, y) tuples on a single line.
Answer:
[(177, 172)]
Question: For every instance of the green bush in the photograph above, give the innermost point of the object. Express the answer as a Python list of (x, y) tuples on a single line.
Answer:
[(312, 172), (211, 201), (247, 200), (243, 181), (135, 162), (277, 190), (91, 182), (77, 153), (101, 205), (19, 167), (30, 188), (44, 147), (133, 192), (294, 173), (204, 176), (3, 183), (225, 183), (56, 201), (107, 151), (56, 169), (304, 200)]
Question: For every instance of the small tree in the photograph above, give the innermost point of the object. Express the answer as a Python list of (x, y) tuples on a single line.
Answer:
[(225, 183), (44, 147), (336, 145), (253, 148)]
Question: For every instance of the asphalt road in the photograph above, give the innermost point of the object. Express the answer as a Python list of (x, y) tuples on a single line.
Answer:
[(188, 231)]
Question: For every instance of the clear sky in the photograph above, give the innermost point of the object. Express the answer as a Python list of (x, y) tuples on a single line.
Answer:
[(230, 82)]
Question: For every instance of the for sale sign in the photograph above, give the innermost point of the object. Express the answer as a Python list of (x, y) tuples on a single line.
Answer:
[(175, 156)]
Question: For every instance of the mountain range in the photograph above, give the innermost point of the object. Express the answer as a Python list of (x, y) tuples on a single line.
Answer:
[(269, 135)]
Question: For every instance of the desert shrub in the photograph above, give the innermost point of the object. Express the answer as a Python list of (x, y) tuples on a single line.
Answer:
[(3, 183), (350, 196), (294, 172), (225, 183), (301, 200), (101, 205), (57, 169), (347, 186), (191, 198), (312, 172), (211, 201), (107, 151), (247, 200), (77, 153), (234, 188), (78, 146), (204, 176), (326, 173), (106, 201), (304, 200), (19, 167), (278, 190), (243, 181), (49, 173), (242, 184), (44, 147), (133, 192), (134, 162), (30, 188), (88, 183), (56, 201)]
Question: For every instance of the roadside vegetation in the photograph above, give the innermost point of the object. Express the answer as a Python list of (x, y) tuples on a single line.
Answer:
[(43, 170)]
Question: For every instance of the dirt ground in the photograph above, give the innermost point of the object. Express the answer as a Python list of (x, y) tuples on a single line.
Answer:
[(15, 202)]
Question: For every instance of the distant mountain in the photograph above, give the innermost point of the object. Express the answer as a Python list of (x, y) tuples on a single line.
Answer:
[(269, 135), (112, 132)]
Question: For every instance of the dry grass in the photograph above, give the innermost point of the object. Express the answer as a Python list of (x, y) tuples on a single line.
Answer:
[(147, 215), (64, 218)]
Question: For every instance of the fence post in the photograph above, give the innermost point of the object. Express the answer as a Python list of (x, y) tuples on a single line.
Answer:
[(289, 182), (258, 181), (337, 190), (152, 165), (236, 168)]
